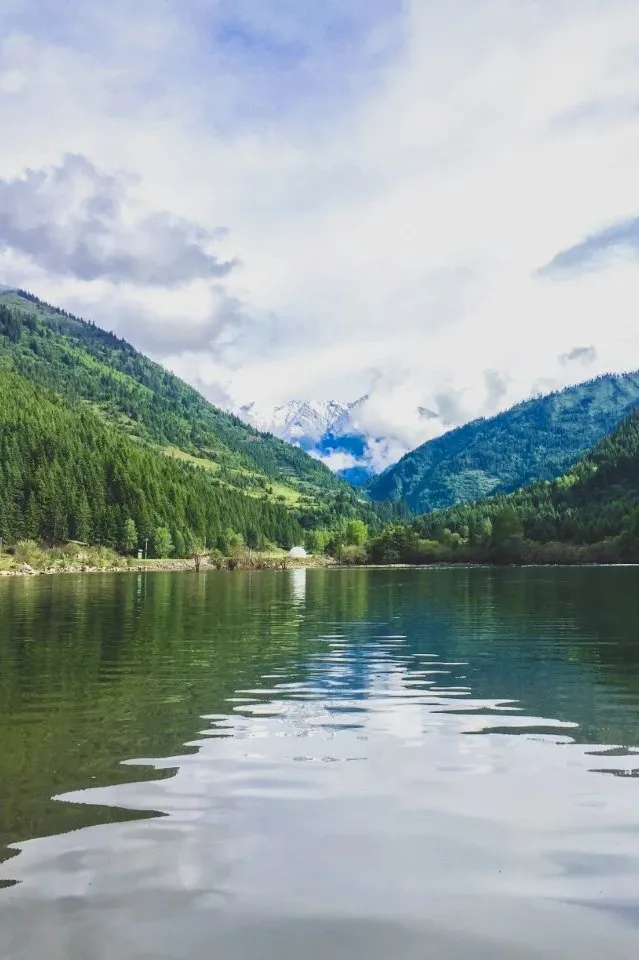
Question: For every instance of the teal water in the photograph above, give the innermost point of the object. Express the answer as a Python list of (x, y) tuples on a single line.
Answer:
[(310, 765)]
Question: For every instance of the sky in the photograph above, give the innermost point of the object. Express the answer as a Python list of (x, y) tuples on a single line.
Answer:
[(435, 204)]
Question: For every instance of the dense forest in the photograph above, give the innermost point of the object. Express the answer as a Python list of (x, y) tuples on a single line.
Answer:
[(590, 514), (538, 439), (64, 475), (88, 365)]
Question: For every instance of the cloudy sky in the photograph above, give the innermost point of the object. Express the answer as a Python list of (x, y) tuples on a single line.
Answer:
[(434, 202)]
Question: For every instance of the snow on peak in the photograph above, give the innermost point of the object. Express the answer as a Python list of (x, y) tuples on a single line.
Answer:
[(303, 422)]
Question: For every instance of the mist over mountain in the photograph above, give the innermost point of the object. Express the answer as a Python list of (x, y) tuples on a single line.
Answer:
[(327, 429), (301, 422), (397, 413), (538, 439), (356, 440), (463, 459)]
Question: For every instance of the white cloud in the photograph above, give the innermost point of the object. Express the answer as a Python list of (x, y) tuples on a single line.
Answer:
[(70, 220), (338, 460), (390, 208)]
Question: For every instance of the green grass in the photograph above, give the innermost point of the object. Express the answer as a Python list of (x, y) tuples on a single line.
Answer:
[(203, 462)]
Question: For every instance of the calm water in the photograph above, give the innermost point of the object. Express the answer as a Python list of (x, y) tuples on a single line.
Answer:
[(319, 765)]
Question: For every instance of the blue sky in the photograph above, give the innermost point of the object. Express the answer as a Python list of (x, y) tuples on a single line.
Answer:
[(300, 199)]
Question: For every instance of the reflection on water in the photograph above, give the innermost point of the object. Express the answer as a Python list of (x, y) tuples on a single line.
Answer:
[(298, 585), (321, 764)]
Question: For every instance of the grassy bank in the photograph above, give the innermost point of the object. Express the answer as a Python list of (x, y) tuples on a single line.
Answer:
[(30, 559)]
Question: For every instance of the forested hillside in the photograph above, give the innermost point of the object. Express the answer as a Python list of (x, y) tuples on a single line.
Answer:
[(64, 474), (100, 444), (535, 440), (590, 514), (88, 365)]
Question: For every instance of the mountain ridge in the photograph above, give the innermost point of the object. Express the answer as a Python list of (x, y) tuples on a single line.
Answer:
[(66, 474), (594, 505), (86, 364), (537, 439)]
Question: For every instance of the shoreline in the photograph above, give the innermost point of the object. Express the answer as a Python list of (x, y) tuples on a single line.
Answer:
[(225, 565), (272, 564)]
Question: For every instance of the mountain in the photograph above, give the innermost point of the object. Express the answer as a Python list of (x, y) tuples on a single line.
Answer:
[(596, 503), (301, 422), (67, 474), (537, 439), (344, 446), (86, 364), (92, 371), (590, 514), (324, 428)]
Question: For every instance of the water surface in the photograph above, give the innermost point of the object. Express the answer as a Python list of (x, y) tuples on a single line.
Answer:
[(310, 765)]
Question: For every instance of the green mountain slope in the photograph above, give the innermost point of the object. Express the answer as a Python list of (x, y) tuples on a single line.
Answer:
[(589, 514), (65, 474), (595, 501), (89, 366), (535, 440)]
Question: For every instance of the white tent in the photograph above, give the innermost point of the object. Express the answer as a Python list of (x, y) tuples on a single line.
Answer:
[(297, 552)]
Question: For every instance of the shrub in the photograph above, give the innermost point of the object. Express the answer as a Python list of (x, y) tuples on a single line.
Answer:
[(28, 551), (353, 555)]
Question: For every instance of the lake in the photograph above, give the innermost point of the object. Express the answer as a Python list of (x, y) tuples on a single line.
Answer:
[(320, 764)]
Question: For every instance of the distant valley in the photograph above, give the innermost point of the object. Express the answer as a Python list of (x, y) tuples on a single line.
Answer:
[(99, 444), (351, 439), (537, 439)]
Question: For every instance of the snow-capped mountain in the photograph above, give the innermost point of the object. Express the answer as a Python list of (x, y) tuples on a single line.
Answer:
[(355, 440), (321, 427), (361, 439), (301, 422)]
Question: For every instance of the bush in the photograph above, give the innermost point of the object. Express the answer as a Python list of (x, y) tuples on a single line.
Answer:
[(429, 551), (28, 551), (353, 555)]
